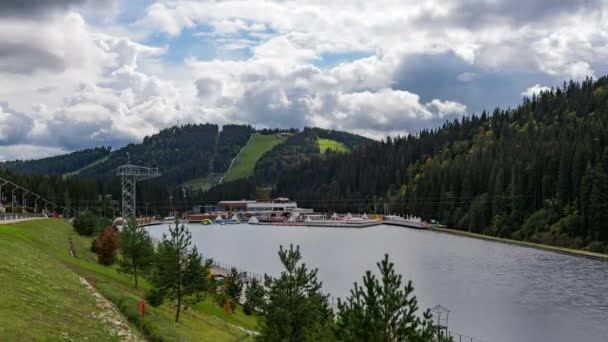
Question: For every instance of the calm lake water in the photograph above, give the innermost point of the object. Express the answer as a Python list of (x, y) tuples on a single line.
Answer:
[(496, 292)]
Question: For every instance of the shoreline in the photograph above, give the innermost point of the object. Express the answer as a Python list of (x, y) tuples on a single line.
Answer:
[(556, 249)]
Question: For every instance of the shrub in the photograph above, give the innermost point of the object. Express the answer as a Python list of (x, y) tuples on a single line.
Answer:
[(86, 223), (106, 246), (155, 296), (94, 245)]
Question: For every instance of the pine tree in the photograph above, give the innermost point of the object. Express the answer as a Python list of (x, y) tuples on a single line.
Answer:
[(563, 180), (234, 285), (178, 270), (254, 297), (136, 250), (598, 205), (382, 310), (296, 309)]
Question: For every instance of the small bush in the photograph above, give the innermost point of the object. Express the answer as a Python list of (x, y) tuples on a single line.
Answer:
[(155, 297), (94, 245), (86, 223)]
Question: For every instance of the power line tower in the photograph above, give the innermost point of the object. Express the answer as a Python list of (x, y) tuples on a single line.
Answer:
[(130, 175)]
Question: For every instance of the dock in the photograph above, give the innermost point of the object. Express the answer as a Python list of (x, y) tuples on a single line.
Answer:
[(405, 223), (324, 224)]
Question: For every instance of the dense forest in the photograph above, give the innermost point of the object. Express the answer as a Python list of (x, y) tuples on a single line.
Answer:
[(58, 165), (182, 153), (538, 172)]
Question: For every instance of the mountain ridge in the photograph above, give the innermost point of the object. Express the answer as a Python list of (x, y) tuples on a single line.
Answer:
[(182, 153)]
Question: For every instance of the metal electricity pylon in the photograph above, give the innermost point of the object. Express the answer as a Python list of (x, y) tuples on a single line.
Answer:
[(131, 174)]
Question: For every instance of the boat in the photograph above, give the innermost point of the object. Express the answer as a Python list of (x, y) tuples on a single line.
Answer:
[(233, 220), (219, 220)]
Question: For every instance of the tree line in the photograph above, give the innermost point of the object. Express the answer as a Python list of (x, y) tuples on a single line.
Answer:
[(537, 172)]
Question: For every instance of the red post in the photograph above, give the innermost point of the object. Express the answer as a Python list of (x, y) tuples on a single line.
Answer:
[(142, 307)]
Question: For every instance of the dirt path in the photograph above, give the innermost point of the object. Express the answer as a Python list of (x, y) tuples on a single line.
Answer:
[(115, 322)]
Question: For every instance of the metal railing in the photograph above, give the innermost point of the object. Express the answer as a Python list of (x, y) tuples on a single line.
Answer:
[(23, 216)]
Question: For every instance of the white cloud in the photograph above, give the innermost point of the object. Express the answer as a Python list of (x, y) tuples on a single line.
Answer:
[(76, 82), (535, 90), (28, 151)]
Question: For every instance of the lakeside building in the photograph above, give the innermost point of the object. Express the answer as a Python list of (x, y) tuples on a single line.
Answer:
[(279, 207)]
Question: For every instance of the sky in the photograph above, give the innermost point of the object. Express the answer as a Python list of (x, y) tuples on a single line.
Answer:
[(83, 73)]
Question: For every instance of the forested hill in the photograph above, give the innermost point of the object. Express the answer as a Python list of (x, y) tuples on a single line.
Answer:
[(58, 165), (182, 153), (538, 172)]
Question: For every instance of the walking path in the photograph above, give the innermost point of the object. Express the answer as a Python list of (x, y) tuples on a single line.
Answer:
[(110, 315)]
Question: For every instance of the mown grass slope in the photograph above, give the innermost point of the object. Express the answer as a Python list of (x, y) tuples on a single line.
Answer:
[(328, 144), (38, 250), (245, 163), (40, 298)]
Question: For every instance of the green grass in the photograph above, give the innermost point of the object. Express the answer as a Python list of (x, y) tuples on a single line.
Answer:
[(38, 269), (328, 144), (204, 183), (42, 299), (243, 167)]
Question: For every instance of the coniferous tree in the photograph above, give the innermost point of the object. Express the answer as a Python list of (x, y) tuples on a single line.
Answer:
[(234, 285), (383, 310), (296, 309), (136, 249), (254, 297), (178, 269)]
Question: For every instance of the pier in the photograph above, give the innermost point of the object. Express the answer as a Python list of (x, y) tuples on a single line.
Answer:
[(325, 224)]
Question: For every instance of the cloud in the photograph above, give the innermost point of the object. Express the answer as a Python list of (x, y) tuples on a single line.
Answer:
[(36, 8), (535, 90), (13, 125), (208, 87), (28, 151), (79, 75), (28, 46)]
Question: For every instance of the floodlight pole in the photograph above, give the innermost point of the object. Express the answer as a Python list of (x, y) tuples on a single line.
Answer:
[(36, 202), (1, 185), (24, 203), (13, 201)]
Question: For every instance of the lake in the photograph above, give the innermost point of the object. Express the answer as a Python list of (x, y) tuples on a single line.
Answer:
[(496, 292)]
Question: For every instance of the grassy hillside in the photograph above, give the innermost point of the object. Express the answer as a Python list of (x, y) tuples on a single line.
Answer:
[(44, 298), (245, 164), (41, 298), (328, 144)]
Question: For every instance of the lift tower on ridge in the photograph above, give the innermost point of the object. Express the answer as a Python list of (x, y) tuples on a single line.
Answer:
[(130, 175)]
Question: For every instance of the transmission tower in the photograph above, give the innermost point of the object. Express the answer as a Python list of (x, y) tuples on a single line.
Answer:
[(131, 174)]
